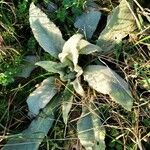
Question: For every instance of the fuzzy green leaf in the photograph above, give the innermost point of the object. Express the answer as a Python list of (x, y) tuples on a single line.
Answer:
[(78, 87), (88, 22), (120, 23), (39, 98), (52, 67), (106, 81), (31, 138), (70, 52), (67, 100), (86, 47), (28, 66), (45, 31), (90, 130)]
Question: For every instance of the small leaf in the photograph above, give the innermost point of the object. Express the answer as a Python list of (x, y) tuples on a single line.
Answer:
[(106, 81), (45, 31), (28, 66), (39, 98), (121, 22), (78, 87), (87, 48), (31, 138), (90, 130), (67, 100), (70, 51), (88, 22), (52, 67)]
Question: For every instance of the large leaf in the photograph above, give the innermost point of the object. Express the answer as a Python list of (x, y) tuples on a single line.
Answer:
[(120, 23), (52, 67), (39, 98), (45, 31), (70, 52), (28, 66), (67, 100), (88, 22), (106, 81), (86, 47), (31, 138), (90, 130)]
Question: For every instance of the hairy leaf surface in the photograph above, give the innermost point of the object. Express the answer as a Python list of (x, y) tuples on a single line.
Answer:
[(78, 87), (70, 51), (67, 100), (86, 47), (45, 31), (88, 22), (39, 98), (106, 81), (90, 130), (120, 23), (52, 67), (31, 138), (28, 66)]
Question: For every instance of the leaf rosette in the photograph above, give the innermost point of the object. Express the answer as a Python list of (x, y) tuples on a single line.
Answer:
[(47, 97)]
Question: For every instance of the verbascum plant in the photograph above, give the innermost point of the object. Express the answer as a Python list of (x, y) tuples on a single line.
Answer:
[(44, 101)]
